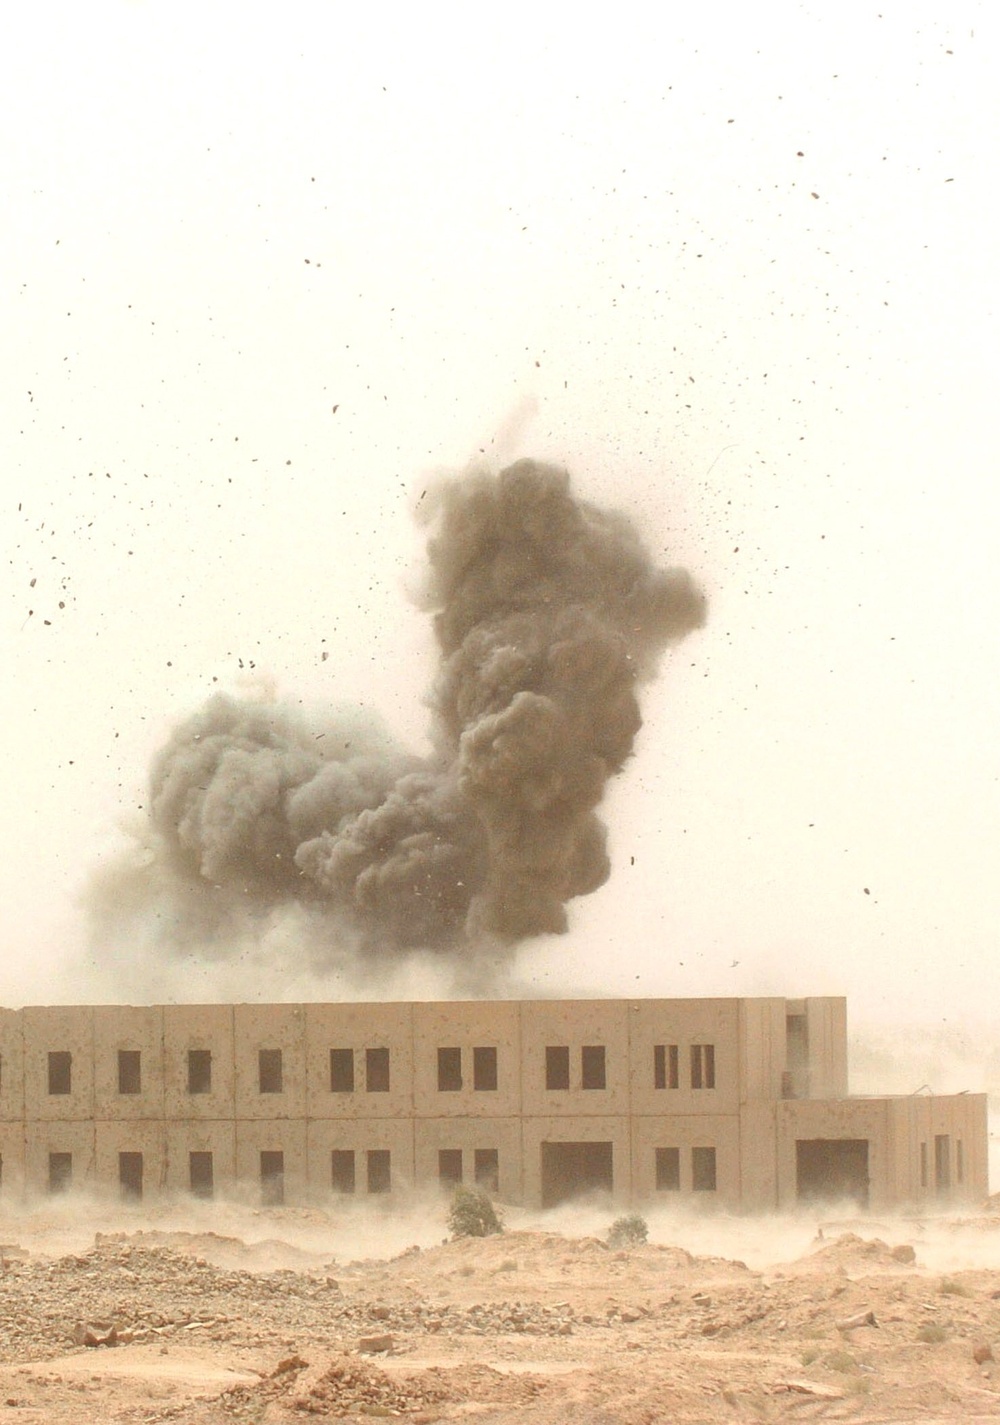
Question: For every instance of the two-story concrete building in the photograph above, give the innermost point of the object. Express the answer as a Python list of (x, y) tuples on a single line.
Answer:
[(742, 1103)]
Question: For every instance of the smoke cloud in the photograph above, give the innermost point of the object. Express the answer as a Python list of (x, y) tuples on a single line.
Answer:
[(549, 615)]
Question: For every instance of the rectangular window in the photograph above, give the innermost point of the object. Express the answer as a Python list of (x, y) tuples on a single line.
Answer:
[(341, 1070), (449, 1167), (201, 1174), (449, 1070), (487, 1169), (130, 1176), (484, 1070), (342, 1169), (269, 1070), (272, 1178), (60, 1071), (942, 1162), (129, 1071), (703, 1169), (60, 1172), (379, 1170), (959, 1161), (199, 1071), (557, 1066), (668, 1169), (377, 1070), (592, 1074), (703, 1066), (665, 1066), (923, 1165)]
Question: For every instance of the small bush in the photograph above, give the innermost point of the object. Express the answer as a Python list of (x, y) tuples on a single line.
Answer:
[(950, 1287), (932, 1334), (630, 1231), (472, 1214), (841, 1361), (810, 1354)]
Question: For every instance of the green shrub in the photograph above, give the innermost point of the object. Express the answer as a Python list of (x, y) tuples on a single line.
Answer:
[(472, 1214), (950, 1287), (841, 1361), (630, 1231), (932, 1334)]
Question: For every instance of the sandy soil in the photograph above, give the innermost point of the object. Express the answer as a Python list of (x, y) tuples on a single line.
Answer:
[(289, 1315)]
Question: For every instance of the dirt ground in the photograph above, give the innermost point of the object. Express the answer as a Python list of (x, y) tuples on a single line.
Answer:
[(272, 1317)]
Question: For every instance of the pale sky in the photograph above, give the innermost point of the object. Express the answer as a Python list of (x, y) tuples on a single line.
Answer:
[(735, 268)]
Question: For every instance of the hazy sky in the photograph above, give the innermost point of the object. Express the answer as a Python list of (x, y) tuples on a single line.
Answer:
[(263, 270)]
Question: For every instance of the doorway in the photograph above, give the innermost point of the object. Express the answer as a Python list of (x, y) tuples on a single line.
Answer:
[(572, 1169), (831, 1169)]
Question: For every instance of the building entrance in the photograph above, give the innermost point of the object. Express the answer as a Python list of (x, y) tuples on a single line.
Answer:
[(573, 1169), (831, 1169)]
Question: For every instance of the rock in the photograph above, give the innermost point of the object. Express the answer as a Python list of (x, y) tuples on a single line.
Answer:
[(851, 1323), (904, 1253), (374, 1345), (290, 1363), (982, 1352)]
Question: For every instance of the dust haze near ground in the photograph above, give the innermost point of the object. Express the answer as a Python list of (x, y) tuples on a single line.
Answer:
[(549, 614), (221, 1312)]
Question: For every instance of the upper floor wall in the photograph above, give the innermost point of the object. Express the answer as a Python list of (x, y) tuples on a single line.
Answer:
[(488, 1059)]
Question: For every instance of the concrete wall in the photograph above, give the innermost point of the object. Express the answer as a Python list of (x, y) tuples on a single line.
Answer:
[(574, 1024), (743, 1116)]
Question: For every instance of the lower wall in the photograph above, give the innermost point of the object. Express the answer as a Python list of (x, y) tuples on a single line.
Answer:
[(920, 1151)]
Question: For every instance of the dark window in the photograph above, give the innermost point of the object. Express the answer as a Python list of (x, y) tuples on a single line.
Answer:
[(341, 1070), (269, 1070), (668, 1169), (379, 1170), (342, 1170), (959, 1161), (484, 1069), (487, 1168), (129, 1071), (665, 1066), (272, 1178), (449, 1070), (942, 1162), (557, 1067), (201, 1174), (60, 1172), (703, 1066), (130, 1176), (592, 1067), (199, 1071), (923, 1165), (703, 1169), (377, 1070), (60, 1071), (449, 1166)]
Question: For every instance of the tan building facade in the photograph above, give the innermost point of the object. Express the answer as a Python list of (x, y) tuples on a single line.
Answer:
[(740, 1103)]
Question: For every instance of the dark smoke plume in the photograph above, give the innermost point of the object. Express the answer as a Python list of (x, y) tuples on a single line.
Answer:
[(549, 614)]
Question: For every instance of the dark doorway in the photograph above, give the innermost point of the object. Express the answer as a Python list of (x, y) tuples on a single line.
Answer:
[(572, 1169), (830, 1169)]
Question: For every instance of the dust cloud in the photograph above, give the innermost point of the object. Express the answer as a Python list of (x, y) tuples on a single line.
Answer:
[(235, 1232), (266, 825)]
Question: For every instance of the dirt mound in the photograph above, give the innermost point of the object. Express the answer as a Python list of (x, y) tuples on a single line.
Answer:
[(849, 1252), (347, 1386)]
